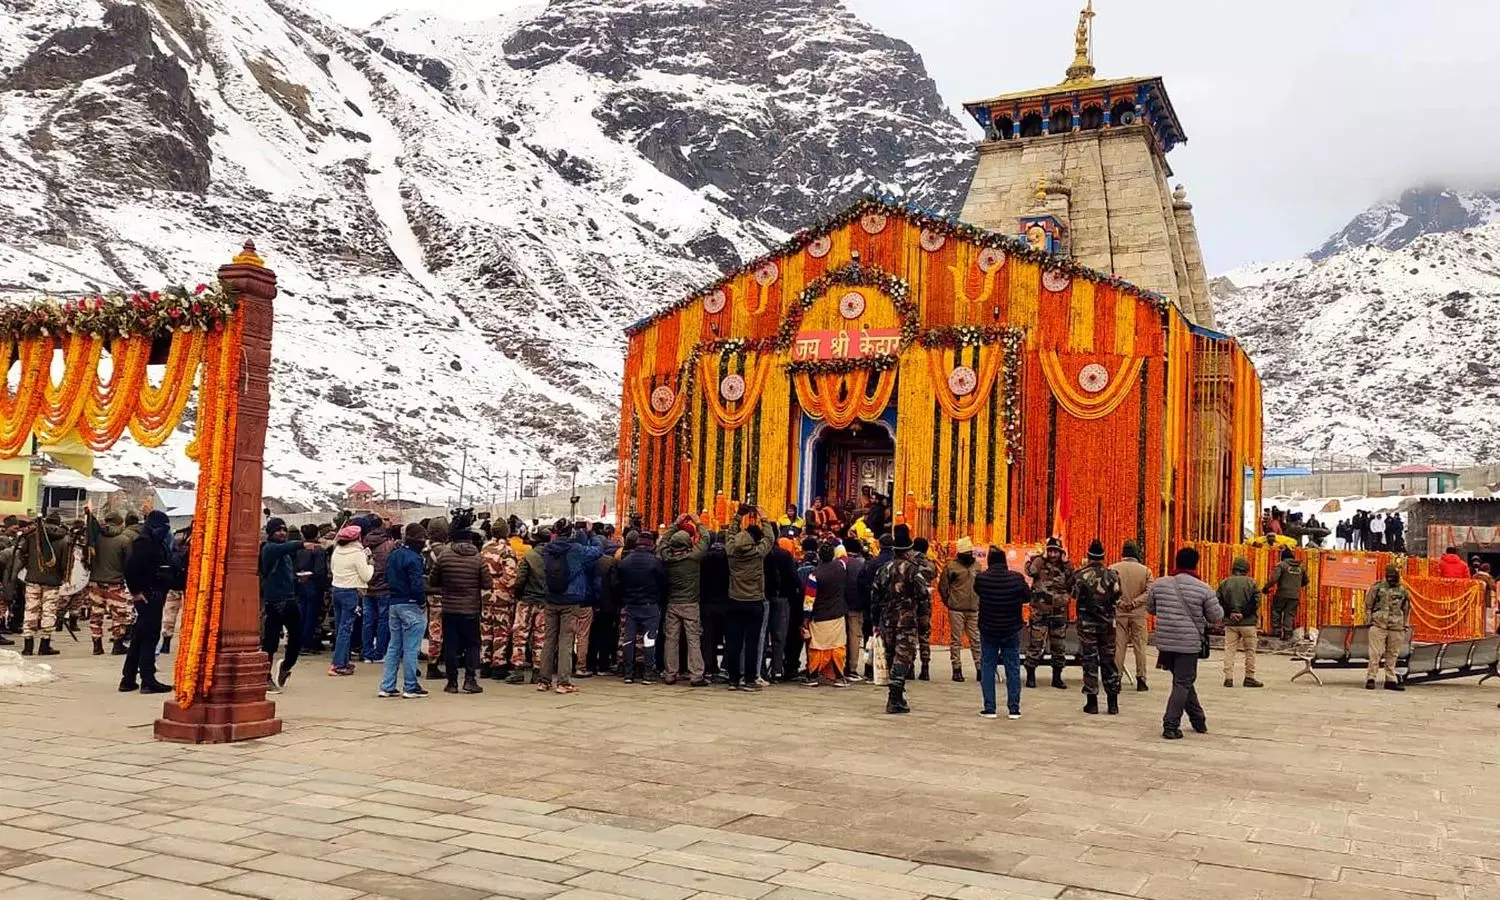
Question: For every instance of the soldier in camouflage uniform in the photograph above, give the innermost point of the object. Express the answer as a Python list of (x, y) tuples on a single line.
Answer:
[(919, 549), (528, 625), (1387, 607), (437, 547), (1051, 584), (900, 584), (498, 607), (1097, 590)]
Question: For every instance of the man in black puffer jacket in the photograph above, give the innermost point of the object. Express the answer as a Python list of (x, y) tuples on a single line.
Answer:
[(1002, 594), (641, 588)]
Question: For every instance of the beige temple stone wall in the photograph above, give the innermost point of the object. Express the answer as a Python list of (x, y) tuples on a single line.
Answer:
[(1110, 188)]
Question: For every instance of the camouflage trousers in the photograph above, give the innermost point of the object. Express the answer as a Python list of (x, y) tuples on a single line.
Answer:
[(115, 599), (1048, 630), (924, 631), (434, 626), (496, 610), (41, 611), (528, 628), (1096, 648), (169, 613)]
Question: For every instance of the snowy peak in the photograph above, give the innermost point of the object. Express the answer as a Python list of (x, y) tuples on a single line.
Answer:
[(1419, 211)]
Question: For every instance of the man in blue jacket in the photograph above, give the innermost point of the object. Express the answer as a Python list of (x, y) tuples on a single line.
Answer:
[(278, 599), (408, 615), (567, 565)]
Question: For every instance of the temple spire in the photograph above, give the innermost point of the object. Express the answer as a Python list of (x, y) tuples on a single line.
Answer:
[(1082, 68)]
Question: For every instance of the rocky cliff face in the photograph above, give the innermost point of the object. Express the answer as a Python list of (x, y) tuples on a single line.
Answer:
[(1427, 210), (1387, 354), (463, 216)]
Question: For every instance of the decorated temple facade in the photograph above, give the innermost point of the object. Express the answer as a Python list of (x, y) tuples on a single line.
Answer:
[(1048, 369), (990, 389)]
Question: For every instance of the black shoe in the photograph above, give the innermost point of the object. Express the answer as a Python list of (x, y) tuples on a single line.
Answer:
[(6, 642), (925, 675), (156, 687), (516, 676), (45, 648), (734, 685), (450, 688), (869, 671), (128, 687), (28, 646), (895, 703), (1114, 703), (98, 646), (1091, 705), (1200, 727), (433, 673), (958, 674), (1140, 685), (1394, 686), (1369, 684), (1172, 734), (423, 657), (271, 686), (285, 675), (750, 687), (471, 685), (118, 648), (1250, 682), (698, 682), (166, 646), (485, 671), (1031, 676), (1229, 682), (1057, 679)]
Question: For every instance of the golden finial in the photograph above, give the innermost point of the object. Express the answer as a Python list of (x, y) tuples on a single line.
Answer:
[(248, 257), (1082, 68), (1040, 198)]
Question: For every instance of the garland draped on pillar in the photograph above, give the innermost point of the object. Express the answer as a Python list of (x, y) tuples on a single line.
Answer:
[(652, 422), (756, 376), (941, 362), (840, 400), (1082, 405)]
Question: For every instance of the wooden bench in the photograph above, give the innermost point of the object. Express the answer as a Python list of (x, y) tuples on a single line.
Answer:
[(1348, 647)]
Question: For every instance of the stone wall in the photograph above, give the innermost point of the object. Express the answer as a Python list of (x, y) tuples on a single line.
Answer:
[(1119, 208)]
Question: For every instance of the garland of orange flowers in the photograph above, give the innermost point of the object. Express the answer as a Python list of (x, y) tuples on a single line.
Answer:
[(1081, 405), (107, 408), (962, 409), (62, 403), (755, 383), (213, 448), (652, 422), (18, 411), (819, 396)]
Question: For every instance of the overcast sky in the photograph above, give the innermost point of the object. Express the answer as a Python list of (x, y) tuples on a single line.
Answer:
[(1299, 113)]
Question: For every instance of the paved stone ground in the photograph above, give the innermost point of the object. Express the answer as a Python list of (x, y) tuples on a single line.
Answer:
[(662, 793)]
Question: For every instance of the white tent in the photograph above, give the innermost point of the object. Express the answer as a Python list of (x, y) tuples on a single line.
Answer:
[(68, 478)]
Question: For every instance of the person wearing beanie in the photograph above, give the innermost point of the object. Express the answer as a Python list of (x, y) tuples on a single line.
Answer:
[(1097, 591), (901, 586), (1388, 608), (747, 547), (182, 552), (865, 591), (107, 584), (405, 577), (1001, 592), (1184, 608), (311, 567), (956, 588), (278, 599), (464, 580), (1051, 584), (1240, 597), (921, 552), (824, 613), (434, 550), (499, 607), (854, 638), (375, 613), (1287, 582), (528, 627), (350, 571), (641, 587), (1130, 612), (45, 551), (568, 563), (682, 550), (148, 577)]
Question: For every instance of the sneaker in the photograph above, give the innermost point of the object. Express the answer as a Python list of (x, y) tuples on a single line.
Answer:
[(698, 682), (450, 688), (734, 686), (1013, 716), (386, 695), (415, 693), (271, 686), (752, 687), (285, 675), (1250, 682), (648, 678), (988, 715), (854, 679), (840, 682), (762, 682), (629, 680), (1172, 734), (810, 681)]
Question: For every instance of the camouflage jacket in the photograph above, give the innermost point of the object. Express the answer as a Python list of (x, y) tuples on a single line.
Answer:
[(1387, 606), (501, 560), (1051, 577), (902, 584), (1097, 590)]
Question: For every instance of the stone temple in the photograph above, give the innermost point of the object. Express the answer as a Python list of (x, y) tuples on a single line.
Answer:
[(1082, 168)]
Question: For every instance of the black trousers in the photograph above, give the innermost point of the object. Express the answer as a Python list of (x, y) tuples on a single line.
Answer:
[(792, 652), (604, 639), (742, 641), (1184, 696), (714, 618), (460, 643), (277, 616), (140, 659)]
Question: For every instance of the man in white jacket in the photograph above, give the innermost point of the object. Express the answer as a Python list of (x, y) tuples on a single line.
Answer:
[(351, 570)]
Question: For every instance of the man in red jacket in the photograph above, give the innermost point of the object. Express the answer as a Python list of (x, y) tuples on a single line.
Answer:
[(1451, 565)]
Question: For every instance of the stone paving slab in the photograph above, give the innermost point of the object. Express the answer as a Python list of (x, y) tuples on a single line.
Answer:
[(658, 793)]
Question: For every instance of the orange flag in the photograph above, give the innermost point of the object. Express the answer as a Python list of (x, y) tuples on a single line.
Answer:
[(1062, 506)]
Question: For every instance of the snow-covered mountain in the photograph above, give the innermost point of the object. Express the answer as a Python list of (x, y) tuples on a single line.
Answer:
[(1419, 211), (463, 216), (1375, 352)]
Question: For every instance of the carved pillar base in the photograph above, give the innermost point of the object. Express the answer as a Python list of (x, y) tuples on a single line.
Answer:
[(236, 708)]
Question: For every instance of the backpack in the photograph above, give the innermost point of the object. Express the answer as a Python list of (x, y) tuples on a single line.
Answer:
[(555, 568)]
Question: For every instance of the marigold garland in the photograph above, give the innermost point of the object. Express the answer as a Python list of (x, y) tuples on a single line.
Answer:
[(961, 409), (841, 400), (1081, 405), (755, 382), (109, 316)]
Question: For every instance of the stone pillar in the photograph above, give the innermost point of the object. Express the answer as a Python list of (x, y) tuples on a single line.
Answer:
[(1197, 275), (236, 707)]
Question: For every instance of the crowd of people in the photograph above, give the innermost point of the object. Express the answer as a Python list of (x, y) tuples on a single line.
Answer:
[(1371, 531), (809, 600)]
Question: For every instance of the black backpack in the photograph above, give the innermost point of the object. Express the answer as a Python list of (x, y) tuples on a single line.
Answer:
[(555, 567)]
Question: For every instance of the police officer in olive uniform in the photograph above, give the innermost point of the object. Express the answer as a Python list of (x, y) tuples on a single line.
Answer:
[(1051, 584), (1097, 590)]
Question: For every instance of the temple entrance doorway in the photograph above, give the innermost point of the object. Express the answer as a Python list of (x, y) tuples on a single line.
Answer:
[(847, 461)]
